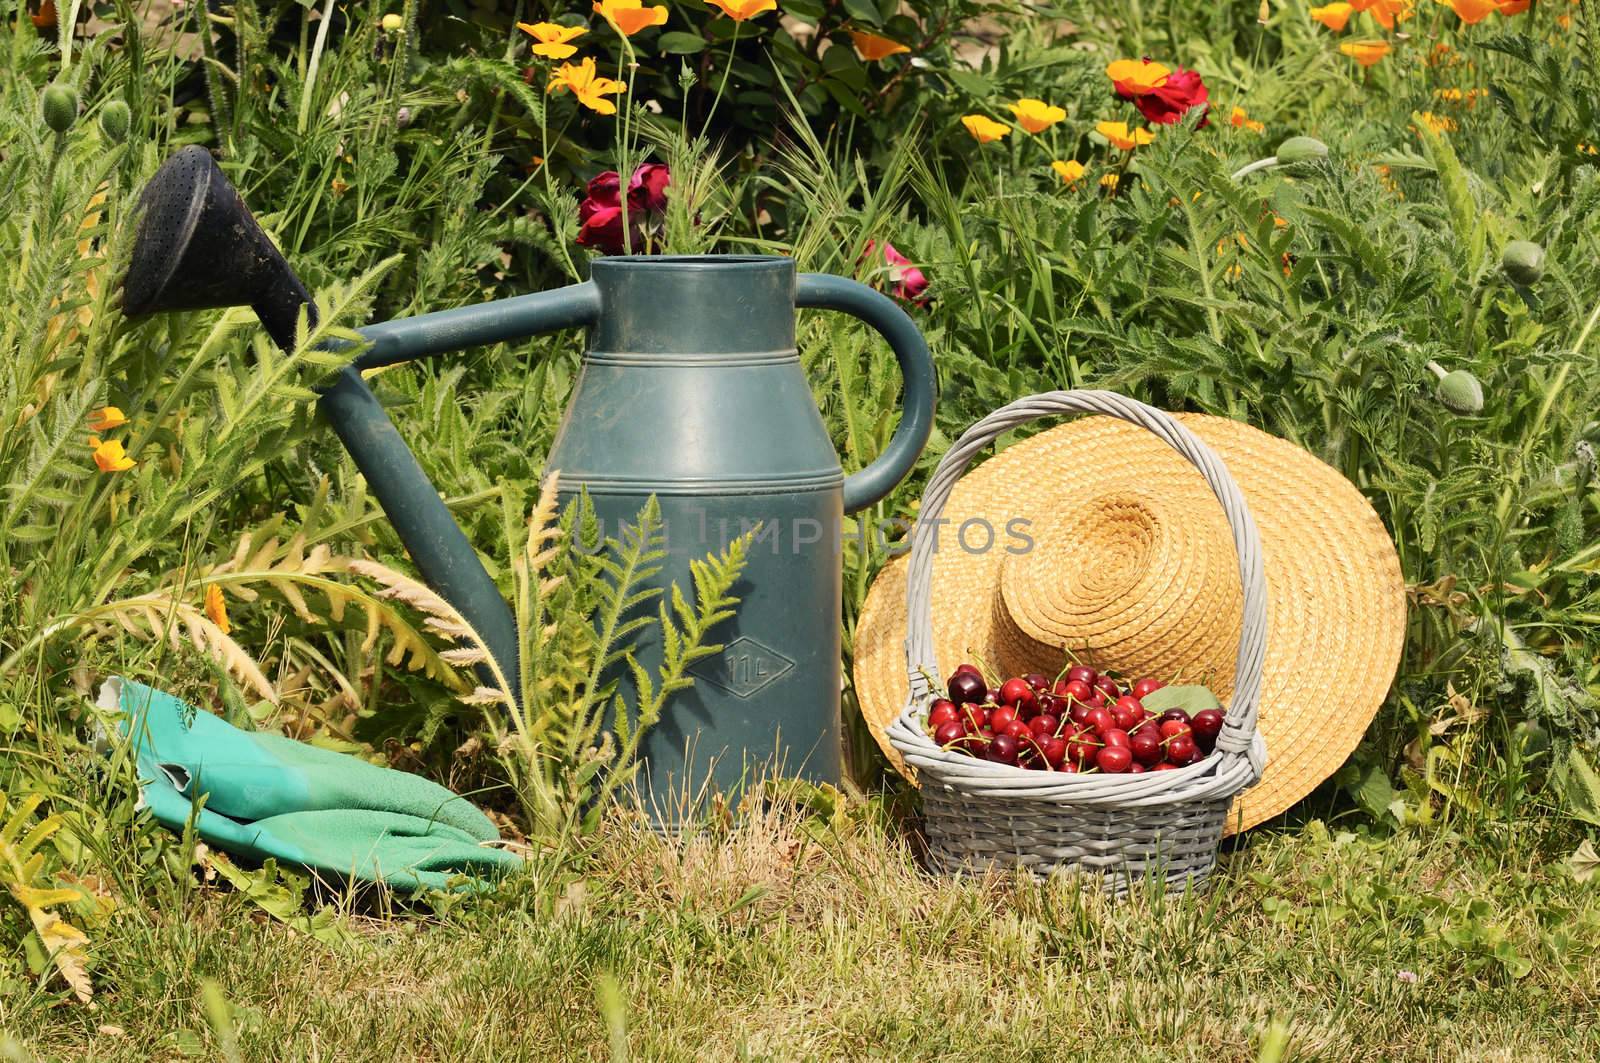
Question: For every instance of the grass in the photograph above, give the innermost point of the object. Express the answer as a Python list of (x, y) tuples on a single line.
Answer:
[(790, 938), (408, 160)]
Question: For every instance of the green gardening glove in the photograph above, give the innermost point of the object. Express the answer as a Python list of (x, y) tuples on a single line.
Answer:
[(266, 795)]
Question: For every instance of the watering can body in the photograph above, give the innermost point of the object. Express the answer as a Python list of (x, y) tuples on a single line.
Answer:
[(691, 392)]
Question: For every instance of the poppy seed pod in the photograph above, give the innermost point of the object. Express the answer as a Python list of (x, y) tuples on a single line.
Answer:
[(1523, 262), (1301, 149), (1460, 392), (59, 105), (114, 121)]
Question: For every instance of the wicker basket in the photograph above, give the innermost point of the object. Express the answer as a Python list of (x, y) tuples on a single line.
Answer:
[(1125, 828)]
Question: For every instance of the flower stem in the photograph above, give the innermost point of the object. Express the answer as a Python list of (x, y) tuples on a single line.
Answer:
[(725, 72), (1259, 164)]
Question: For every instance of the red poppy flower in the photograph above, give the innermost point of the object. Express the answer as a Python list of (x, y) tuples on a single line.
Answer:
[(600, 214), (1177, 93)]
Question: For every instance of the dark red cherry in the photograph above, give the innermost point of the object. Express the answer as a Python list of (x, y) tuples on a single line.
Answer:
[(966, 688), (1082, 673)]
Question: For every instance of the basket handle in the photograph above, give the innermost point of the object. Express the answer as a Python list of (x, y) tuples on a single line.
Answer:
[(1239, 727)]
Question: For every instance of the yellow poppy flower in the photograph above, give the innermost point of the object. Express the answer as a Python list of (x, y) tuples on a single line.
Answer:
[(1070, 171), (1136, 76), (1333, 16), (628, 17), (110, 456), (1367, 53), (739, 10), (587, 85), (1035, 116), (1473, 11), (106, 418), (552, 38), (873, 47), (1110, 181), (1122, 137), (985, 130), (217, 609)]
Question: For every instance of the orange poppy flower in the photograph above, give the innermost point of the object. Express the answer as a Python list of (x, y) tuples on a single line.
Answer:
[(1035, 116), (1333, 16), (1070, 171), (985, 130), (739, 10), (1135, 77), (1122, 137), (552, 38), (586, 84), (872, 47), (1367, 53), (628, 17), (217, 609), (110, 456), (1473, 12)]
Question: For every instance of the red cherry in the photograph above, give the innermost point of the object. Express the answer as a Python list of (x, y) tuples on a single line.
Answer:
[(1173, 729), (1069, 766), (1108, 686), (1045, 725), (1055, 751), (1081, 750), (1037, 680), (1017, 729), (1129, 703), (966, 688), (1082, 673), (1053, 704), (1001, 717), (1115, 736), (1123, 718), (974, 669), (1100, 720), (1145, 686), (943, 711), (1166, 765), (1136, 768), (950, 732), (1098, 699), (1146, 747), (1207, 723), (1080, 713), (974, 716), (1176, 714), (1078, 690), (993, 696), (1181, 750), (1003, 750), (1114, 760), (1015, 692)]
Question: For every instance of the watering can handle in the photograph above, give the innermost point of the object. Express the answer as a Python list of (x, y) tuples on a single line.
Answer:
[(826, 292)]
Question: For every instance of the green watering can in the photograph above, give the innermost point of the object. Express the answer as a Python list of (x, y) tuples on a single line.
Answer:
[(691, 391)]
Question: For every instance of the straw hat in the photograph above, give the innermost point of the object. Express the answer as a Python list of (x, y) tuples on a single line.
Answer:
[(1131, 567)]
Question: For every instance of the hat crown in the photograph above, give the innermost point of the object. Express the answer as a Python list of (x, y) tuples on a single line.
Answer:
[(1142, 583)]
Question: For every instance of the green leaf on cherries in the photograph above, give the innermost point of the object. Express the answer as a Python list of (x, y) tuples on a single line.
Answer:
[(1192, 698)]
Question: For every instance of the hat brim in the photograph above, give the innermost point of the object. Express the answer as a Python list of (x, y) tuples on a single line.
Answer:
[(1336, 596)]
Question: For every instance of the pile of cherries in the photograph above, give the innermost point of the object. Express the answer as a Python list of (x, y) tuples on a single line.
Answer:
[(1082, 722)]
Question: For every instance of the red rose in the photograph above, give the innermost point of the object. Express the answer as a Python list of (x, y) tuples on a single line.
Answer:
[(1167, 102)]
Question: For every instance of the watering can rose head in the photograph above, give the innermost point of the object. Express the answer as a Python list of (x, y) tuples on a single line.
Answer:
[(600, 214)]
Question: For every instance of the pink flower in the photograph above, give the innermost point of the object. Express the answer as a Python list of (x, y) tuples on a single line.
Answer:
[(906, 281), (600, 214)]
